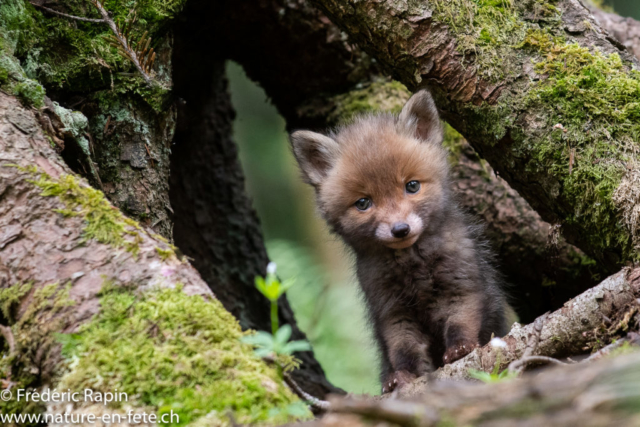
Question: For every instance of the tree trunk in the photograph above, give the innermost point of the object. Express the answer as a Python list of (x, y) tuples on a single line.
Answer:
[(129, 310), (214, 222), (539, 90)]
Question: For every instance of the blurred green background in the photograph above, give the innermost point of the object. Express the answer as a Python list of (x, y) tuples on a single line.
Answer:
[(625, 7), (325, 299)]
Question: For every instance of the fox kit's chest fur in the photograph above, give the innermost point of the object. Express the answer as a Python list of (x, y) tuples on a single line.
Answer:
[(382, 184)]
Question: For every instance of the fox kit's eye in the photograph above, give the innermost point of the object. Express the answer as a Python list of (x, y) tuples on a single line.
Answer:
[(412, 186), (363, 204)]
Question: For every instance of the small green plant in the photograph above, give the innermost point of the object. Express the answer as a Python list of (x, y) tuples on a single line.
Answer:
[(493, 376), (272, 289), (277, 342)]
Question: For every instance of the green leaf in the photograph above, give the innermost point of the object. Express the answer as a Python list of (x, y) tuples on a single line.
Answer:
[(485, 377), (282, 336), (261, 285), (260, 338), (269, 287), (293, 346)]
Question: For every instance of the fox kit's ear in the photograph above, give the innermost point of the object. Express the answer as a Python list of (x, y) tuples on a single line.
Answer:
[(315, 153), (420, 117)]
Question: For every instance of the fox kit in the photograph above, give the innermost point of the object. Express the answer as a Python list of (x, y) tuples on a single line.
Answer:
[(382, 184)]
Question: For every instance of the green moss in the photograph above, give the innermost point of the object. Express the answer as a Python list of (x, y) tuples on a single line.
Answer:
[(539, 40), (103, 222), (378, 96), (11, 296), (453, 142), (173, 352), (4, 75), (165, 253), (486, 30), (46, 314), (30, 93), (76, 56), (594, 119)]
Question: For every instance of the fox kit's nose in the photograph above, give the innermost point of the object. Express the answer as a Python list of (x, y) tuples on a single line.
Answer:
[(400, 229)]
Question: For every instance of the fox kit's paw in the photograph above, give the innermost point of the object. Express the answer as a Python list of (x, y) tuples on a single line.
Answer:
[(458, 351), (397, 380)]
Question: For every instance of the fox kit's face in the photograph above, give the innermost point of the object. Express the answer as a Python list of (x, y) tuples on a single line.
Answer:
[(380, 180)]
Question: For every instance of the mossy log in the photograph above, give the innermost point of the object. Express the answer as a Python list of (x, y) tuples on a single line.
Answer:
[(92, 300), (537, 88), (603, 393)]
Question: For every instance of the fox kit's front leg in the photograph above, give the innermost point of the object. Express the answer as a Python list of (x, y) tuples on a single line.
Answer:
[(406, 349), (462, 327)]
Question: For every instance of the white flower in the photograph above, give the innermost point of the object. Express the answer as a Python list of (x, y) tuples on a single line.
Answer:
[(271, 268), (498, 343)]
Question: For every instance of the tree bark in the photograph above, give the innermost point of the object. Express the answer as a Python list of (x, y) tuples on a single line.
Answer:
[(493, 70)]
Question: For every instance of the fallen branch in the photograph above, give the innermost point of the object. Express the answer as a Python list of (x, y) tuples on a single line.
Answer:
[(66, 15), (565, 332), (585, 394), (314, 402), (532, 345), (518, 365), (123, 41), (401, 412)]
